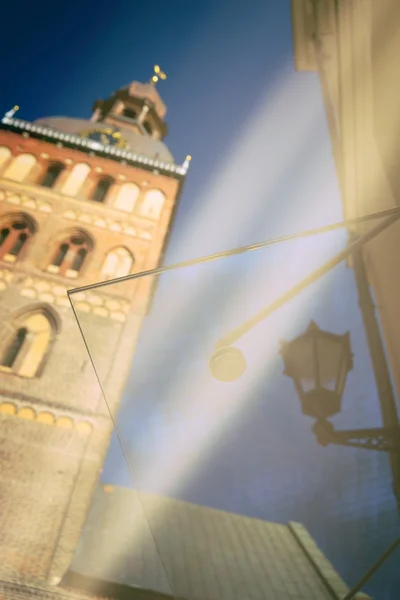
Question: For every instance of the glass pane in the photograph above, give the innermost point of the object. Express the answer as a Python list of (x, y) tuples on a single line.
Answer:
[(118, 542), (220, 468), (303, 364), (329, 363)]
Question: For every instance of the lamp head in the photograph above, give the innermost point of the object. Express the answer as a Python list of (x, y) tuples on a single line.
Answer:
[(227, 364), (318, 362)]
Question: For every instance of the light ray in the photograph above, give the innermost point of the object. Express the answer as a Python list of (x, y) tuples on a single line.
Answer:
[(247, 170)]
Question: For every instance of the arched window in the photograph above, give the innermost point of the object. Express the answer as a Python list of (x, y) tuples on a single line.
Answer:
[(20, 167), (14, 347), (126, 197), (153, 203), (51, 175), (14, 234), (101, 189), (70, 255), (75, 180), (5, 154), (25, 350), (117, 263), (130, 113)]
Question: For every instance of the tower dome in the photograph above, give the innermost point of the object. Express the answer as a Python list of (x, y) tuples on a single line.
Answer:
[(131, 118), (125, 136)]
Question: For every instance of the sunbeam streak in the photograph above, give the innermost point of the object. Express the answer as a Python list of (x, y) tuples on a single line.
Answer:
[(179, 434)]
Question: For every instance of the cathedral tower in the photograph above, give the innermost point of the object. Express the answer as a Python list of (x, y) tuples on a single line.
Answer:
[(81, 201)]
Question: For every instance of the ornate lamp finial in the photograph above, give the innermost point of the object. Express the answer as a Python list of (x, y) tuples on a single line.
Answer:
[(158, 74), (11, 113), (187, 162)]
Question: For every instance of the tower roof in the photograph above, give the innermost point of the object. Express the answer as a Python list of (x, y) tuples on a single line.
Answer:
[(143, 145), (201, 553), (128, 126)]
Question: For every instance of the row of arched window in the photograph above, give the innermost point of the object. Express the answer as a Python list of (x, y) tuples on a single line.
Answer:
[(27, 343), (79, 181), (70, 253)]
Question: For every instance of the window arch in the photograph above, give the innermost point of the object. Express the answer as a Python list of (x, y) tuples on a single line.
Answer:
[(20, 167), (51, 174), (15, 232), (101, 189), (75, 180), (117, 263), (70, 254), (126, 197), (26, 348), (5, 154), (153, 204)]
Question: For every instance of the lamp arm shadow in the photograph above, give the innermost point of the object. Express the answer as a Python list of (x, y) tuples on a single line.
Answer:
[(306, 282), (383, 439)]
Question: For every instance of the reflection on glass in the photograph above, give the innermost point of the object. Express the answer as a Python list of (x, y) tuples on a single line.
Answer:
[(206, 427)]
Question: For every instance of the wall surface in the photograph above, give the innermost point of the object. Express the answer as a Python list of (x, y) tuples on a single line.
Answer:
[(357, 50)]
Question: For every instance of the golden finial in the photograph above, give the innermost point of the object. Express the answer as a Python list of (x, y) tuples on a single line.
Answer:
[(187, 162), (158, 74)]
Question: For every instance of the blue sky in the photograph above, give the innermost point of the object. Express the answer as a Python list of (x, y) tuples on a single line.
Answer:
[(221, 59), (262, 167)]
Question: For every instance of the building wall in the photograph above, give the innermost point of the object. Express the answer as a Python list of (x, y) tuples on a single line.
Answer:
[(356, 56), (385, 50), (360, 60), (360, 50), (55, 426), (361, 90)]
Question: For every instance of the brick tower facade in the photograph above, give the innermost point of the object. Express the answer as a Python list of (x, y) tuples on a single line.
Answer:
[(80, 202)]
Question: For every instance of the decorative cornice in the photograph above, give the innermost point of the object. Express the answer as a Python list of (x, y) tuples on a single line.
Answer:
[(42, 289), (36, 288), (111, 225), (45, 417), (28, 201), (31, 201), (84, 145)]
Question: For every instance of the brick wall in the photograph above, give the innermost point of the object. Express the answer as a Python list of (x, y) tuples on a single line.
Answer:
[(55, 427)]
